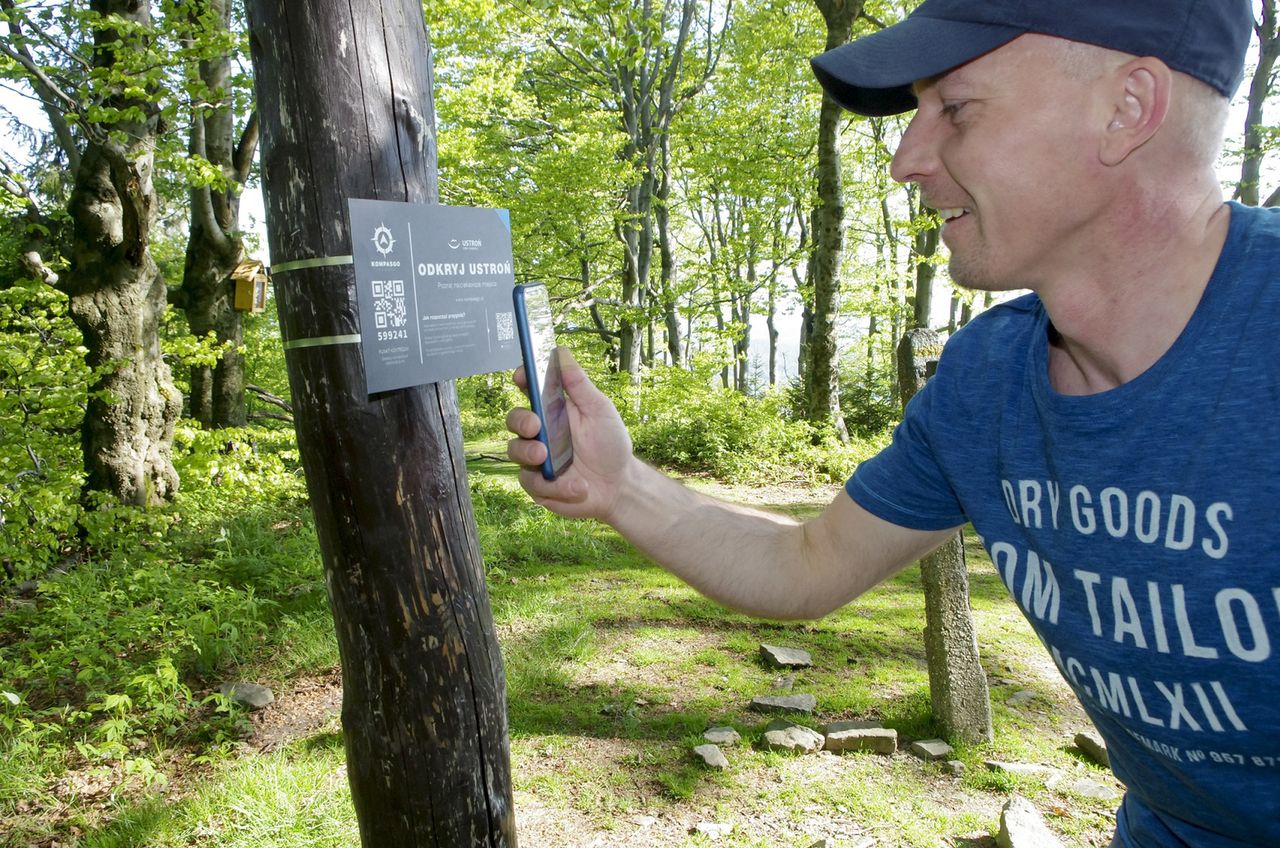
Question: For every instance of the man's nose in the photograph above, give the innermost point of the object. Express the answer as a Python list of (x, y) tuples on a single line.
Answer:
[(916, 156)]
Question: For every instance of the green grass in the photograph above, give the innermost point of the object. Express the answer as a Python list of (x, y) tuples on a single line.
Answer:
[(614, 669)]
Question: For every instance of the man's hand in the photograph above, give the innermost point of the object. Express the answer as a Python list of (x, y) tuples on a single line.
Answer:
[(754, 561), (589, 487)]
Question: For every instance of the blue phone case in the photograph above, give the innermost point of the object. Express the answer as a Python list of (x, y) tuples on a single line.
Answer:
[(534, 376)]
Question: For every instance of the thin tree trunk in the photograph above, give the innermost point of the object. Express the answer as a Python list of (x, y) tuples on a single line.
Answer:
[(667, 269), (822, 377), (1249, 188), (771, 325), (214, 244), (423, 713), (926, 245)]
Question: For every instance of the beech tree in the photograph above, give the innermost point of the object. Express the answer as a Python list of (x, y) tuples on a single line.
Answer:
[(98, 71)]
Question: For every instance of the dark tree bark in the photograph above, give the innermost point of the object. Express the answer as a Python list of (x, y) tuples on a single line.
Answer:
[(214, 244), (1249, 188), (116, 294), (821, 373), (924, 246), (344, 93), (668, 271), (772, 329)]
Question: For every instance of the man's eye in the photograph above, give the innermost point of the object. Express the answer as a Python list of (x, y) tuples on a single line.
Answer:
[(951, 108)]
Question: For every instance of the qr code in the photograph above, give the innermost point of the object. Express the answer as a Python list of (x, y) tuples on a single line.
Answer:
[(506, 326), (389, 308)]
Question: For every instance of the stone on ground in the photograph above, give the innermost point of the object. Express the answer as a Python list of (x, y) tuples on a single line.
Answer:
[(955, 767), (712, 756), (1094, 748), (782, 735), (860, 736), (712, 830), (1017, 699), (251, 695), (1086, 788), (1021, 769), (1021, 826), (781, 657), (931, 749), (784, 703), (722, 736)]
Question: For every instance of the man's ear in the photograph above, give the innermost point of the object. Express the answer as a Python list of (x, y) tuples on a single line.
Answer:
[(1140, 91)]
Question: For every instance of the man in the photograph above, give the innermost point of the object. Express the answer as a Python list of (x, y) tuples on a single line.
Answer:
[(1111, 436)]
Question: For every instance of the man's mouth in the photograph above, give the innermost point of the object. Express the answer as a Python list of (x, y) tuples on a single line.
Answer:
[(951, 214)]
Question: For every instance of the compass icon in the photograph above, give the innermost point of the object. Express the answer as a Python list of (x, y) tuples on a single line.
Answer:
[(383, 240)]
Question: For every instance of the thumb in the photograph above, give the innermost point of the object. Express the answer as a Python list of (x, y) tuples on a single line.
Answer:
[(578, 386)]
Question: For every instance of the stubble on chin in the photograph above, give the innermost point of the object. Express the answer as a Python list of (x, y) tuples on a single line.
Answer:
[(976, 274), (969, 274)]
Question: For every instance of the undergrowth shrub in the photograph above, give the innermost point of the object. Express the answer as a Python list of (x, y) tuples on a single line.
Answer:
[(121, 653), (43, 381), (514, 532), (483, 403), (679, 420)]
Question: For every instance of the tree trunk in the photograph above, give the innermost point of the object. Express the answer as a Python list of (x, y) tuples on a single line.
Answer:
[(214, 244), (958, 691), (667, 269), (822, 377), (635, 272), (771, 326), (926, 245), (1249, 189), (741, 306), (345, 100), (116, 294)]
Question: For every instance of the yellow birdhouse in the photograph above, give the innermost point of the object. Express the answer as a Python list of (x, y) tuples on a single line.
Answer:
[(251, 280)]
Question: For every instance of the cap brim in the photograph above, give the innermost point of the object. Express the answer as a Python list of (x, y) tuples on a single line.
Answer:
[(873, 75)]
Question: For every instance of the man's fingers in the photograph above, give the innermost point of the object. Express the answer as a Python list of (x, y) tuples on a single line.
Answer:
[(524, 423), (526, 452), (519, 379), (562, 490)]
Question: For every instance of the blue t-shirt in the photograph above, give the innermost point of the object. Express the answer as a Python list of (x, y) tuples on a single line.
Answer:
[(1137, 530)]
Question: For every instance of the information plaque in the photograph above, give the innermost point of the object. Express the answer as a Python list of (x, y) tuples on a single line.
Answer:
[(434, 291)]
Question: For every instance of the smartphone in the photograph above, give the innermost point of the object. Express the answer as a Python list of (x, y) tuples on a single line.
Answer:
[(542, 374)]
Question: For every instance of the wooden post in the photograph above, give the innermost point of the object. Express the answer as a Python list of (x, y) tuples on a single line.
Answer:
[(344, 94), (958, 691)]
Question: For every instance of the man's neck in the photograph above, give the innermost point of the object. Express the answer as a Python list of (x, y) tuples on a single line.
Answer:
[(1134, 297)]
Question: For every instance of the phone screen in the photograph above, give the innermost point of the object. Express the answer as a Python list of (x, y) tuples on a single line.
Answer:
[(542, 369)]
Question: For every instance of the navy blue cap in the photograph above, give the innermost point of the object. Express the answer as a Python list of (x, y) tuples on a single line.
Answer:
[(1206, 39)]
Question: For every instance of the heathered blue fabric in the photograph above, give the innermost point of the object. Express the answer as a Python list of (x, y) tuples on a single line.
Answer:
[(1138, 531)]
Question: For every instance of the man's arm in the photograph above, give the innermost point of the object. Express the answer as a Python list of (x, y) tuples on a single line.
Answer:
[(750, 560)]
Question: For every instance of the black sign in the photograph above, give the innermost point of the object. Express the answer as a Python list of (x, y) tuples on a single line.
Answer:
[(434, 289)]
